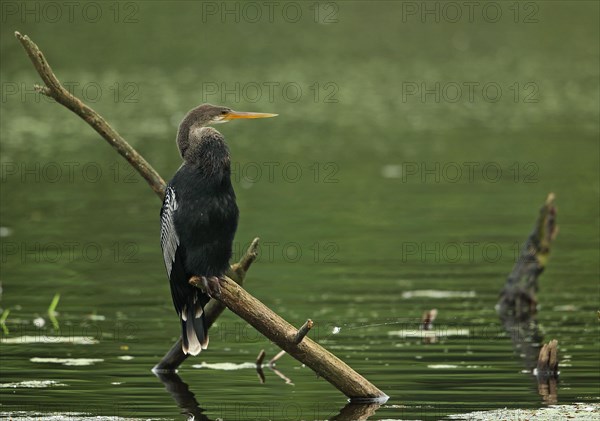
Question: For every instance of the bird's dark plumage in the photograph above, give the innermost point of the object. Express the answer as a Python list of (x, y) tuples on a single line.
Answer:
[(198, 218)]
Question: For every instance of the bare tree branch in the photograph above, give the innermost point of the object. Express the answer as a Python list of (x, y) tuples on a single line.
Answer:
[(56, 90)]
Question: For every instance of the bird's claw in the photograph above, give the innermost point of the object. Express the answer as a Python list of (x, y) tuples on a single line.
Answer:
[(212, 286)]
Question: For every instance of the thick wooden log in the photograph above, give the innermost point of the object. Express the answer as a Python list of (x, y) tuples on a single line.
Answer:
[(308, 352)]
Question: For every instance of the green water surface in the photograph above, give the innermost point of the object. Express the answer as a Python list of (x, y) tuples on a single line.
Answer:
[(375, 182)]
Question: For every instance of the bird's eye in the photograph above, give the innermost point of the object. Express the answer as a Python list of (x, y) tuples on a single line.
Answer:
[(224, 112)]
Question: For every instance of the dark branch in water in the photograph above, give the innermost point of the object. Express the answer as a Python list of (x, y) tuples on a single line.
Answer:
[(233, 296), (519, 293), (517, 306)]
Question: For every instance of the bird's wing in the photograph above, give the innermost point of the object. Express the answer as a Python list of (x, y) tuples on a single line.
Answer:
[(169, 240), (173, 251)]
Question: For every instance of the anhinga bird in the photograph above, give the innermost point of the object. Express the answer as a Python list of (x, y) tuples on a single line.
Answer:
[(199, 218)]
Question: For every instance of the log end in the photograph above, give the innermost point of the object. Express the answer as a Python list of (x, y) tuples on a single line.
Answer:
[(383, 398)]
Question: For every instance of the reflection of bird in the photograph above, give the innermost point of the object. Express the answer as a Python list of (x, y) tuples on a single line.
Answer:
[(199, 217)]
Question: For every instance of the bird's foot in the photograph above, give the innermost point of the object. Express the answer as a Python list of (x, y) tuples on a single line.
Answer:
[(211, 285)]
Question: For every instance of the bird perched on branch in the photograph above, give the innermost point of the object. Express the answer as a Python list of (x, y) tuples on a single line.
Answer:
[(199, 218)]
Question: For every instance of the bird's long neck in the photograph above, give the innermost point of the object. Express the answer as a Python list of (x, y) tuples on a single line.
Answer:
[(183, 135), (204, 149)]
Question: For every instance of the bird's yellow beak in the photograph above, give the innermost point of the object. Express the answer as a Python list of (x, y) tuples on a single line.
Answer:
[(241, 114)]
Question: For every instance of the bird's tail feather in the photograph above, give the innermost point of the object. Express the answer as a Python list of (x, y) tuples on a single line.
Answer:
[(194, 331)]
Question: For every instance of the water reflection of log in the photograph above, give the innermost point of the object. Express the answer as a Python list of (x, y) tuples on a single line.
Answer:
[(261, 373), (526, 337), (259, 370), (190, 407), (517, 306), (183, 396), (356, 412)]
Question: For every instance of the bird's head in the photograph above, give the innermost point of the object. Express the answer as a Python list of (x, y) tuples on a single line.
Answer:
[(192, 131), (207, 114)]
